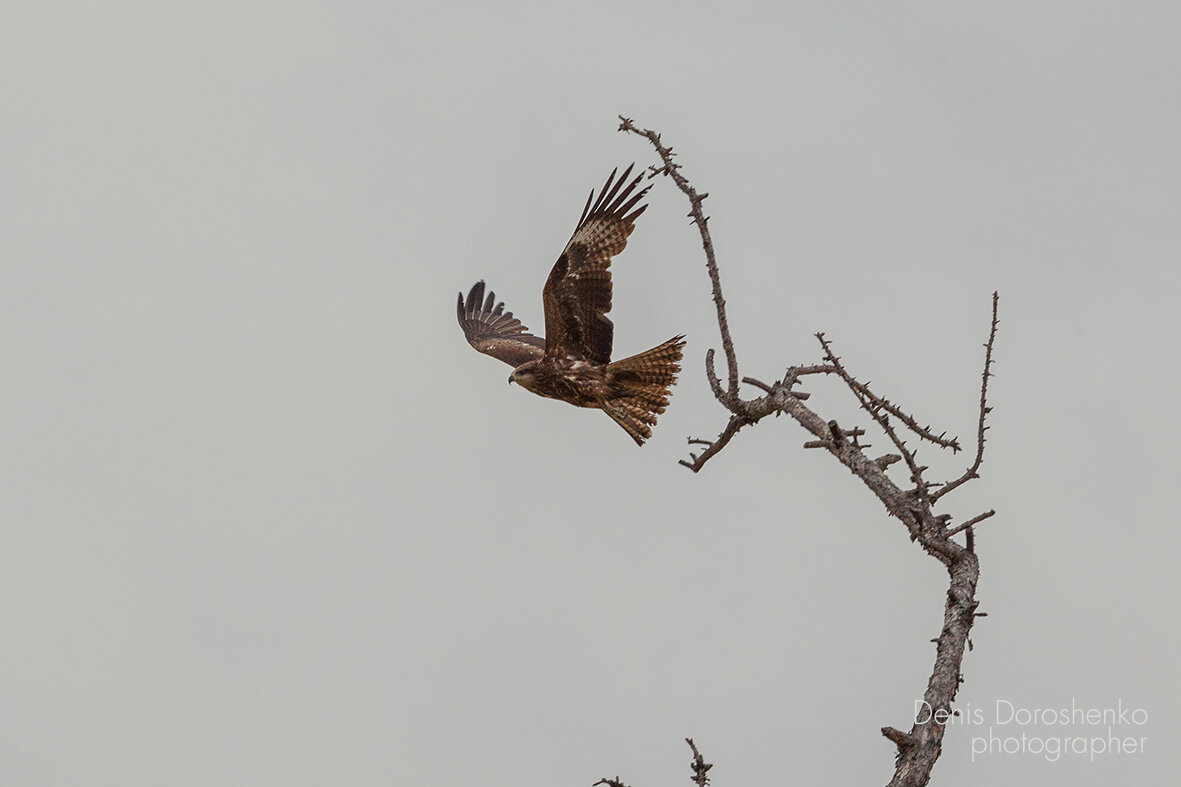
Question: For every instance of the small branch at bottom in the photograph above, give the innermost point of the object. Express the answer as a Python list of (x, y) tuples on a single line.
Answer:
[(699, 765)]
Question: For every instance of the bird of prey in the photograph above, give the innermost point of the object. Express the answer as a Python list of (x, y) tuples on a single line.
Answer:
[(573, 361)]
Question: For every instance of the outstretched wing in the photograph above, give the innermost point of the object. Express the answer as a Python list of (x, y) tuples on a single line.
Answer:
[(495, 332), (577, 294)]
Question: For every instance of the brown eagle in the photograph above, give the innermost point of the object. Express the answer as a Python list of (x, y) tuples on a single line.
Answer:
[(573, 361)]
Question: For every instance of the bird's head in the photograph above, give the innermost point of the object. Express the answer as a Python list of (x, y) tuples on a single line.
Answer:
[(524, 375)]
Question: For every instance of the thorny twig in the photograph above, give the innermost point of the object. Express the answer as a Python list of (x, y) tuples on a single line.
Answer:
[(924, 432), (702, 221), (866, 399), (973, 471)]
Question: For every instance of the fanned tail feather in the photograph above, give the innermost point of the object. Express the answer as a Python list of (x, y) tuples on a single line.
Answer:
[(642, 384)]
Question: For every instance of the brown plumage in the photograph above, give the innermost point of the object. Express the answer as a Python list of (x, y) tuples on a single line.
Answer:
[(573, 361)]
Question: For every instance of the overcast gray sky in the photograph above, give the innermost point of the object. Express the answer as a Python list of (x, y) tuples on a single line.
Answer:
[(266, 519)]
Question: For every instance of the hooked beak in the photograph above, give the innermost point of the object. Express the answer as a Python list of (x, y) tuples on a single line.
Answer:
[(510, 378)]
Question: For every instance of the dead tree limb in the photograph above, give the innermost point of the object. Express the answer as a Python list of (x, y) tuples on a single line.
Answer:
[(911, 502)]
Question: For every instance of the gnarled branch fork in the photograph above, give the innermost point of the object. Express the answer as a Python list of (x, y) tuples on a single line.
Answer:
[(911, 502)]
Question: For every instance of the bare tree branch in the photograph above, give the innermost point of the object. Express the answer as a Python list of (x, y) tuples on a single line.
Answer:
[(918, 748)]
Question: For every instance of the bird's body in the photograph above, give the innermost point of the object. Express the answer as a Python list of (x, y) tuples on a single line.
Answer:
[(573, 362), (581, 383)]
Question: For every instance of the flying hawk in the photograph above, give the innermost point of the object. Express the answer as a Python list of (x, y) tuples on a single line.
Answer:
[(573, 361)]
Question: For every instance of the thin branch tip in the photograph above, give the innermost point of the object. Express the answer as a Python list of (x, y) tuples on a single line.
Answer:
[(699, 218), (973, 470)]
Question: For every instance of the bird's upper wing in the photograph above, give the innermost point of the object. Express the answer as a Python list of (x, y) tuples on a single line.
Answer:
[(577, 294), (493, 331)]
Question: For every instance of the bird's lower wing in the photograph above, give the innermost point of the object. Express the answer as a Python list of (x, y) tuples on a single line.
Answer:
[(493, 331)]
